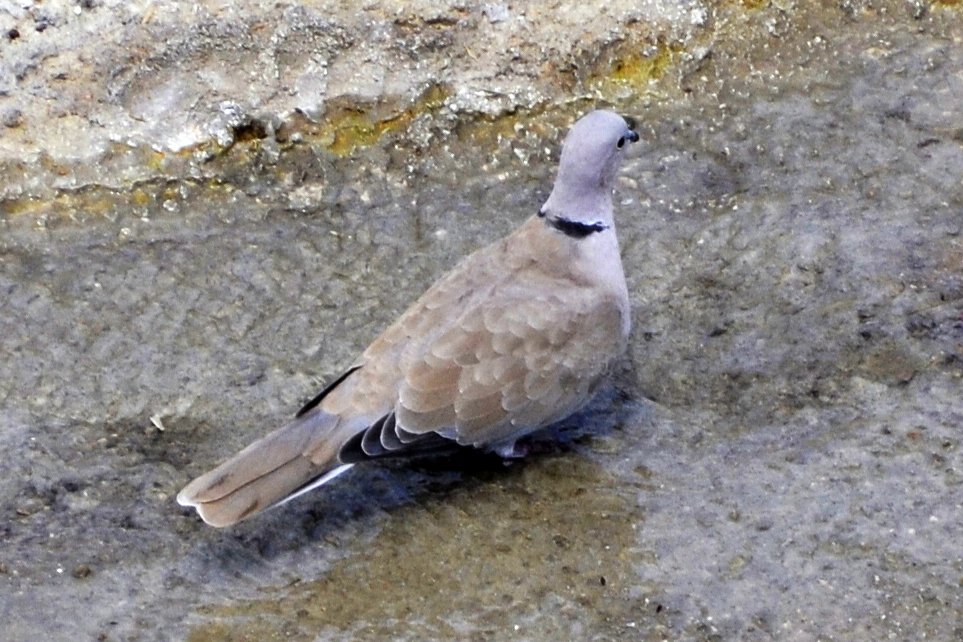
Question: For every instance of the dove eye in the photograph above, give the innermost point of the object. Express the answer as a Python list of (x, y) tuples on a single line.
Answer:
[(621, 143)]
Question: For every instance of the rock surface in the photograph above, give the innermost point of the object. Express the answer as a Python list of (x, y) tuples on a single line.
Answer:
[(208, 208)]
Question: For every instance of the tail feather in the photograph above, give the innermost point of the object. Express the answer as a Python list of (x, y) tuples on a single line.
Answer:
[(264, 474), (256, 495)]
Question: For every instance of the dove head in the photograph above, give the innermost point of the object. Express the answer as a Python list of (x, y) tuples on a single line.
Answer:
[(591, 155)]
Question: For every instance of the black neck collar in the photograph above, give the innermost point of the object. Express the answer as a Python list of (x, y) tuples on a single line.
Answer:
[(573, 229)]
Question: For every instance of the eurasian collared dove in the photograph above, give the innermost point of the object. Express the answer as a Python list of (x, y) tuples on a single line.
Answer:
[(518, 336)]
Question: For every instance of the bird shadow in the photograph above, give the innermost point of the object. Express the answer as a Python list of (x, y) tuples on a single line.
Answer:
[(356, 504)]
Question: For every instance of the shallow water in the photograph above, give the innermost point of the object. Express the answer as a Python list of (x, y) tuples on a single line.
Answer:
[(777, 458)]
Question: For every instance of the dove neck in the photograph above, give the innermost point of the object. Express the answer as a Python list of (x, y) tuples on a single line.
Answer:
[(585, 208)]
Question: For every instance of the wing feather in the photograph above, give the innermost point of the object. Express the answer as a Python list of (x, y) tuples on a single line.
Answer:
[(492, 351), (519, 365)]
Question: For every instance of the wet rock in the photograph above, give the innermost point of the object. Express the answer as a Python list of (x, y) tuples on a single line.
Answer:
[(777, 457)]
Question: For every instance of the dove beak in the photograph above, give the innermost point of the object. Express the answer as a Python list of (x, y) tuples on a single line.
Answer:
[(631, 123)]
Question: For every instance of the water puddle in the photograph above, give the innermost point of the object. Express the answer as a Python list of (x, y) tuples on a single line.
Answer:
[(555, 535)]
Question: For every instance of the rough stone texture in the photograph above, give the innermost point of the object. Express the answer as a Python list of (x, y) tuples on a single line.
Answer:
[(113, 93), (778, 458)]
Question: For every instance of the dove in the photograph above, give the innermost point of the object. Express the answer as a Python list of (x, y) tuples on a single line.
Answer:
[(516, 337)]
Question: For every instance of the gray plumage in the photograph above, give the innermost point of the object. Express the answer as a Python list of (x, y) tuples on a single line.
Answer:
[(517, 336)]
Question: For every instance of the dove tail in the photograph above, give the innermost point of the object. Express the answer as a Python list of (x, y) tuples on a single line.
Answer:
[(269, 472)]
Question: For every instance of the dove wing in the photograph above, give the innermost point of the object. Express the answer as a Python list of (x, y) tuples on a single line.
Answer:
[(526, 359), (508, 342)]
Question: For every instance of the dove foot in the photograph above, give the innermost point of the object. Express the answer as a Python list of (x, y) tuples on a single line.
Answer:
[(526, 447), (513, 450)]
